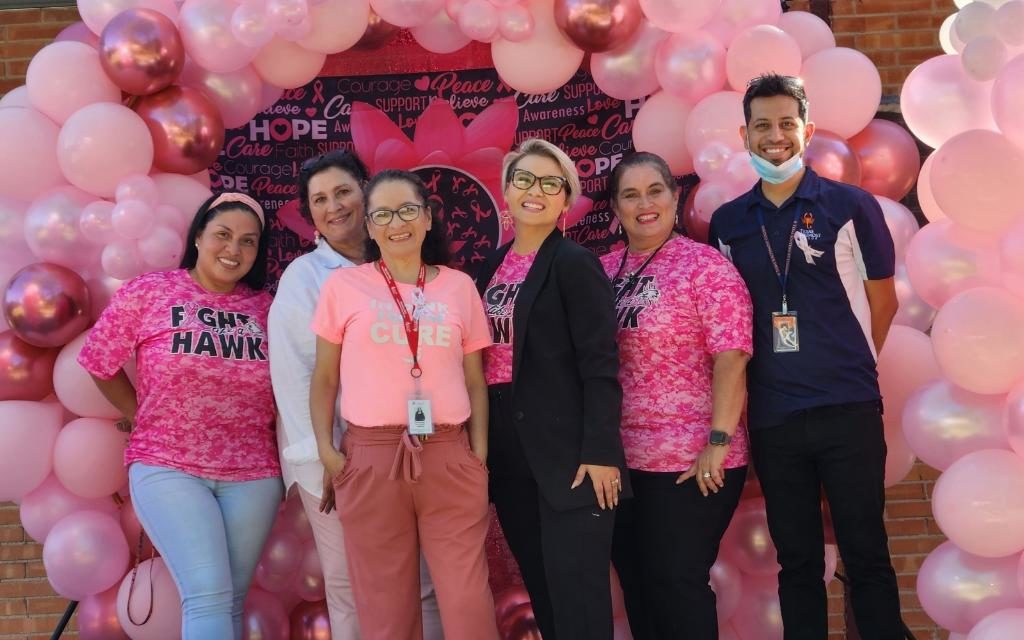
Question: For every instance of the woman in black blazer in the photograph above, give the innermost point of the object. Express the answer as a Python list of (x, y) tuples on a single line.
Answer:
[(556, 458)]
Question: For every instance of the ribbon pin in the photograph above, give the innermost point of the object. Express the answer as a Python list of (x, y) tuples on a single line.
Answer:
[(810, 253)]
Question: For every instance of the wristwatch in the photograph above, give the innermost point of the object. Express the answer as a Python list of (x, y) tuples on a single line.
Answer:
[(719, 438)]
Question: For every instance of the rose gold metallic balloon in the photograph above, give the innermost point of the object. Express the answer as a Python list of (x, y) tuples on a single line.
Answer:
[(309, 621), (832, 157), (378, 33), (26, 371), (141, 51), (520, 624), (598, 25), (46, 305), (186, 126)]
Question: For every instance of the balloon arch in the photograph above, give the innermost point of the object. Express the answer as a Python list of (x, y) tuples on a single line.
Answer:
[(104, 158)]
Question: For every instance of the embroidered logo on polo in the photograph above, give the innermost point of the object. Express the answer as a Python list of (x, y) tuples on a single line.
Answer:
[(204, 331), (499, 303), (803, 238), (632, 296)]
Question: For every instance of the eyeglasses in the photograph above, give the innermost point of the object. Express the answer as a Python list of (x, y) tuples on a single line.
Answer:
[(551, 185), (383, 217)]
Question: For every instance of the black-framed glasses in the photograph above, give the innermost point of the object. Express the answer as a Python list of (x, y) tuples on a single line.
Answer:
[(407, 212), (551, 185)]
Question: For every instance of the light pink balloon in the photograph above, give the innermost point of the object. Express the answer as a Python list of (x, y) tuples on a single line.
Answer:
[(121, 259), (659, 125), (979, 339), (739, 173), (629, 72), (811, 33), (102, 144), (727, 583), (101, 289), (173, 219), (478, 20), (75, 388), (975, 20), (889, 159), (711, 195), (716, 118), (899, 460), (337, 25), (140, 187), (680, 16), (88, 457), (181, 192), (905, 364), (97, 617), (16, 97), (939, 100), (901, 222), (1014, 422), (286, 64), (164, 605), (1012, 253), (515, 23), (28, 431), (132, 219), (1010, 22), (309, 582), (944, 259), (250, 23), (44, 506), (66, 76), (85, 554), (205, 27), (97, 13), (958, 589), (914, 311), (161, 248), (925, 198), (759, 615), (407, 13), (758, 50), (52, 231), (282, 556), (94, 222), (264, 617), (1007, 97), (440, 34), (747, 542), (831, 156), (736, 15), (691, 65), (844, 88), (541, 63), (948, 39), (28, 153), (237, 94), (711, 160), (1000, 625), (983, 57), (78, 32)]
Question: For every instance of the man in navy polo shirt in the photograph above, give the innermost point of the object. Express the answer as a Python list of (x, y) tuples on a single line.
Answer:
[(818, 260)]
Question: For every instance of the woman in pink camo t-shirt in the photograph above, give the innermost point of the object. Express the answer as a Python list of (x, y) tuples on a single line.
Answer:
[(684, 334)]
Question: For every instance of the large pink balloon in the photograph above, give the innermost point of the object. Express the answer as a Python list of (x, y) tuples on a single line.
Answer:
[(337, 25), (844, 88), (598, 25), (680, 16), (102, 144), (75, 388), (690, 65), (914, 311), (978, 503), (929, 207), (97, 13), (974, 179), (736, 15), (905, 364), (939, 100), (899, 460), (88, 457), (28, 153), (958, 589), (811, 33), (727, 583), (264, 617), (48, 503), (759, 615), (943, 423), (747, 542), (440, 34), (78, 32), (97, 617), (52, 228), (659, 125), (831, 157), (141, 51), (205, 27), (26, 371), (163, 603), (181, 192), (85, 554), (28, 431), (309, 621), (287, 65), (716, 118), (758, 50), (282, 556), (889, 159), (541, 63), (1007, 96), (407, 13), (186, 128), (66, 76), (901, 222), (998, 626), (46, 305), (944, 259)]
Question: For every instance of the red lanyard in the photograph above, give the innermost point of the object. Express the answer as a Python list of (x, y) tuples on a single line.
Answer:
[(412, 327)]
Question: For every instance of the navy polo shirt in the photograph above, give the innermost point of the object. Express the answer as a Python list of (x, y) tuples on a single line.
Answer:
[(845, 241)]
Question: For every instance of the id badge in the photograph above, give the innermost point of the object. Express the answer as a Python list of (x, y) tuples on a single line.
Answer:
[(785, 334), (420, 421)]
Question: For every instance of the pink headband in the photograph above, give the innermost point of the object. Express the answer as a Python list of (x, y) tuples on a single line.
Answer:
[(232, 196)]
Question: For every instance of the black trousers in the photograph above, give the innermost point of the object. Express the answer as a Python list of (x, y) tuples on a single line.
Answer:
[(563, 556), (840, 448), (666, 539)]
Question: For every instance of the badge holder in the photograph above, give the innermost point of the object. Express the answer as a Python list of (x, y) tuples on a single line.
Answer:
[(421, 422), (785, 332)]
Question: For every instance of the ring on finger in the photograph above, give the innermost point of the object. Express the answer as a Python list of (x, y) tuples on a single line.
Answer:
[(706, 474)]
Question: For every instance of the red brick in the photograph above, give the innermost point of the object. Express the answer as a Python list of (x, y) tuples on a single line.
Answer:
[(20, 16), (49, 604), (879, 23), (26, 551), (16, 68), (12, 533), (65, 15), (46, 32), (24, 588)]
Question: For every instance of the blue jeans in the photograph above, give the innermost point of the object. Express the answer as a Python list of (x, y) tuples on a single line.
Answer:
[(210, 533)]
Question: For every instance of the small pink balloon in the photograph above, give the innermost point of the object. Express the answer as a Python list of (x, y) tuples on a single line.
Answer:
[(282, 555), (186, 128), (172, 218), (250, 23), (66, 76), (680, 16), (97, 13), (75, 388), (88, 457), (711, 195), (310, 621), (983, 57), (758, 50), (515, 23), (85, 554), (831, 157), (440, 34), (206, 30), (309, 581), (48, 503), (1006, 623), (161, 248), (811, 33), (889, 159), (914, 311), (711, 160), (102, 144), (78, 32), (101, 289), (478, 20), (46, 305), (28, 431), (727, 583), (939, 100), (141, 51), (121, 260), (657, 128), (26, 371), (287, 13), (94, 223), (28, 153), (337, 25), (944, 259), (16, 97), (407, 13), (905, 364), (541, 63), (739, 172), (97, 617), (286, 64), (628, 72), (132, 219), (141, 188), (597, 25), (716, 118), (974, 21), (162, 604), (759, 615), (132, 529), (1010, 22), (691, 66), (901, 222), (747, 542), (736, 15), (264, 617), (1008, 95), (52, 228), (845, 89)]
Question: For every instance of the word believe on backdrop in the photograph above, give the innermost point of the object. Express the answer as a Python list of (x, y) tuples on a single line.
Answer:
[(424, 122)]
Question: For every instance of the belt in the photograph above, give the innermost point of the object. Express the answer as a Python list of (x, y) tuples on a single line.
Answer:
[(407, 446)]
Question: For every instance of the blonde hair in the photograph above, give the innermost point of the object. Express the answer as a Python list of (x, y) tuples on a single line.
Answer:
[(538, 147)]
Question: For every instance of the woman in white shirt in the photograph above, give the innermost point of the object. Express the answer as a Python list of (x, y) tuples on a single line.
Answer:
[(331, 198)]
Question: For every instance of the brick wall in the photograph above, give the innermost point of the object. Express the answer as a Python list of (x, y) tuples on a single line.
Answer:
[(896, 34)]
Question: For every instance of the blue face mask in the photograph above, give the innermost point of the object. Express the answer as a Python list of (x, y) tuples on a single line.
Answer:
[(776, 174)]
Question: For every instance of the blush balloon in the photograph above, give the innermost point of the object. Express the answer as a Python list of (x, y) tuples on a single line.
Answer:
[(831, 157), (97, 13), (26, 371), (845, 89), (889, 159), (102, 144), (286, 64), (75, 388), (747, 542), (46, 305), (727, 583), (541, 63), (939, 100), (996, 626), (691, 66), (88, 457), (264, 617), (905, 364), (48, 503), (28, 431), (811, 33), (85, 554), (66, 76), (28, 154), (901, 223), (206, 31), (52, 228), (914, 311), (628, 72), (657, 128), (162, 604), (733, 16), (759, 615), (716, 118), (78, 32), (944, 259), (1008, 95), (758, 50)]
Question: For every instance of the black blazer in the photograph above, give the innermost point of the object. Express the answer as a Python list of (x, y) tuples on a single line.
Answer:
[(566, 402)]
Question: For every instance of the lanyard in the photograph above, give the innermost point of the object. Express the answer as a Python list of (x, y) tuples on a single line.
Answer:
[(633, 277), (412, 327), (783, 276)]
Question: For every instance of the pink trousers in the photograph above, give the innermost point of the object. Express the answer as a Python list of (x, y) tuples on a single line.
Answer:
[(397, 496)]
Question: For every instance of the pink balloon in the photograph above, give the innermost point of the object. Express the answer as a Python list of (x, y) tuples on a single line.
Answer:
[(101, 289), (292, 517), (163, 608), (478, 20), (46, 305), (659, 125), (28, 153), (914, 311), (831, 157), (758, 50), (759, 615), (28, 431), (901, 222), (628, 72), (716, 118), (97, 13), (102, 144), (52, 228), (161, 248), (140, 188), (975, 21), (181, 192), (811, 33), (515, 23), (250, 23), (1010, 22), (889, 159), (998, 626), (237, 94), (1012, 254), (680, 16), (97, 617), (987, 165), (26, 371), (739, 173), (440, 34), (905, 364), (747, 542), (541, 63), (78, 32), (944, 259), (978, 503), (899, 459), (943, 423), (95, 224), (186, 128), (1014, 420), (711, 160), (958, 589), (337, 25), (132, 219), (141, 51), (691, 65), (1007, 96), (845, 89), (205, 27), (596, 25), (929, 207), (282, 556), (727, 583), (88, 457), (286, 64), (407, 13), (66, 76), (264, 617), (983, 57), (309, 581), (85, 554), (736, 15), (16, 97), (48, 503), (709, 197), (121, 259), (75, 388), (132, 529), (939, 100)]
